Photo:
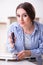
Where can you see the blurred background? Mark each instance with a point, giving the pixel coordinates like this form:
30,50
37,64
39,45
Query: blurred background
8,7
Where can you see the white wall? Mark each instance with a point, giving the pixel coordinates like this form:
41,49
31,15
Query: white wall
3,36
7,8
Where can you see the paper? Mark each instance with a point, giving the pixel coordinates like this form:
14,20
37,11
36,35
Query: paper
8,56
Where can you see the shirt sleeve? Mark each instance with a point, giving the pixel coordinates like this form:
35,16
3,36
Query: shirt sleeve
10,49
35,52
38,51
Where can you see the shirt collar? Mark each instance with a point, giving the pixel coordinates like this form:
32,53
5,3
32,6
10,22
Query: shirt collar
35,29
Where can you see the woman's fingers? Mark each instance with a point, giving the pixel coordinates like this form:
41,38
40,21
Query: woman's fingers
10,39
21,55
11,42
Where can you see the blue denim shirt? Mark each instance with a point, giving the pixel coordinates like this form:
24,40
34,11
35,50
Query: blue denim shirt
36,45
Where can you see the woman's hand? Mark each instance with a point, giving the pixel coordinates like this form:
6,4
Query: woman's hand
25,53
11,41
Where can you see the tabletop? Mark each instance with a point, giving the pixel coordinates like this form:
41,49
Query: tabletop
10,59
23,62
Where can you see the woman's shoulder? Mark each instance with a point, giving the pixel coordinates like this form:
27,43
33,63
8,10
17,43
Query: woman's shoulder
14,24
39,25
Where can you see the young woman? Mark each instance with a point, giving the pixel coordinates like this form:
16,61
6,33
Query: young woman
28,39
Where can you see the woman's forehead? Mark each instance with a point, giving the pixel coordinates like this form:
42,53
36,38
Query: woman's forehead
21,11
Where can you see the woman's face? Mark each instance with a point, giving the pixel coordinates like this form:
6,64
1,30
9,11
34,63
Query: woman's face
23,18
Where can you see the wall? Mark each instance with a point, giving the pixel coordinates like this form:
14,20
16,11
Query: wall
7,8
3,32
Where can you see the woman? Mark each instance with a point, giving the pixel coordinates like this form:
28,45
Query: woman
28,39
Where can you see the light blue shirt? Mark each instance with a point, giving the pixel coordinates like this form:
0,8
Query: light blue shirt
35,42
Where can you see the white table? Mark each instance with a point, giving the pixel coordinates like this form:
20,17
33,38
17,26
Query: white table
7,56
24,62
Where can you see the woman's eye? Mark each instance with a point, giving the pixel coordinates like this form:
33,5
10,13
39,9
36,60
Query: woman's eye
18,15
25,15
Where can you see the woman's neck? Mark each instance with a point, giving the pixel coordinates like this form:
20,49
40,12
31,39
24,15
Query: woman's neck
28,29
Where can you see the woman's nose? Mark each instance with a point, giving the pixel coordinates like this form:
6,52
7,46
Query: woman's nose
21,18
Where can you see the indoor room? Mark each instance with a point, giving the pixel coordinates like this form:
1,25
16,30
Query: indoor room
7,17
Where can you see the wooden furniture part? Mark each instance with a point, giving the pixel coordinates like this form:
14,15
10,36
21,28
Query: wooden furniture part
12,19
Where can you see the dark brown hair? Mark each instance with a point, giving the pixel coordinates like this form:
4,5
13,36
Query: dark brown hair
28,7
